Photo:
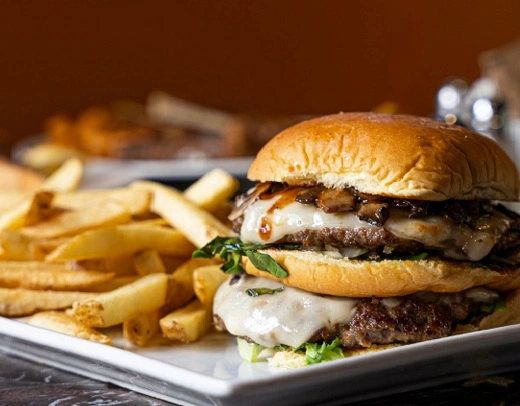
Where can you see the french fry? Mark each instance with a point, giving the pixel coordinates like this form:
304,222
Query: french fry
26,211
120,265
66,324
114,283
172,262
40,207
180,286
66,178
187,324
141,329
39,248
212,189
111,308
11,198
198,225
42,278
81,259
18,247
206,280
34,265
134,201
148,261
24,302
73,222
122,240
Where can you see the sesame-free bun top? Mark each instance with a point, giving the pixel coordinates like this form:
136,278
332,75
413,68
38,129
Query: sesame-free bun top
390,155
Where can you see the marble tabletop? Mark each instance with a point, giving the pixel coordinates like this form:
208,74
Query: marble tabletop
27,383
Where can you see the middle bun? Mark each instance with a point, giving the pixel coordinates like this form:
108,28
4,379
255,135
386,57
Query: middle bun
323,274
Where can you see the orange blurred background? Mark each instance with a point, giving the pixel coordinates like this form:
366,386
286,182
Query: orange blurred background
268,57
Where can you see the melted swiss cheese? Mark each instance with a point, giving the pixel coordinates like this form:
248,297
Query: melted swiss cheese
265,222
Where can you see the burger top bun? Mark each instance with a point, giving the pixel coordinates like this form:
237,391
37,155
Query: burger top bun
390,155
323,274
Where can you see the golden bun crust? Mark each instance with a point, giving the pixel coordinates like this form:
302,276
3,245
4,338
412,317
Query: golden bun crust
390,155
323,274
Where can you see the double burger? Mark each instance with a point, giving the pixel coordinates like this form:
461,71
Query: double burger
365,231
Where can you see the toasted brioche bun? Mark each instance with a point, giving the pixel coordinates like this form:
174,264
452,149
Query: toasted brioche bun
389,155
324,274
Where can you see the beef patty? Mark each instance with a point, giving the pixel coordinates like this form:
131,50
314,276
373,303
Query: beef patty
408,319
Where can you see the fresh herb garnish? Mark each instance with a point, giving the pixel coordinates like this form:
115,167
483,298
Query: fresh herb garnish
231,249
263,291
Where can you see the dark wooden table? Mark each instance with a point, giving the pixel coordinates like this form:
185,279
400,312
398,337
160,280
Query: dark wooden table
26,383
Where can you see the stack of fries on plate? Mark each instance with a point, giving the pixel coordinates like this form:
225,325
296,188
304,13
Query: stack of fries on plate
80,261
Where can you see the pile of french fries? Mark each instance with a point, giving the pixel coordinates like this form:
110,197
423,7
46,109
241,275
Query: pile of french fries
81,261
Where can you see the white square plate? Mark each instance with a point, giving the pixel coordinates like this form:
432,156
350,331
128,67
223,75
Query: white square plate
210,372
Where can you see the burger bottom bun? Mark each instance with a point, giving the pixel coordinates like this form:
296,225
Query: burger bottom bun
289,359
324,274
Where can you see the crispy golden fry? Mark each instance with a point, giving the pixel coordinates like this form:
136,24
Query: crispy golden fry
114,283
111,308
34,265
198,225
40,207
120,265
48,277
109,257
24,302
103,214
141,329
148,261
180,285
172,262
188,323
122,240
39,248
212,189
18,247
66,178
11,198
47,156
27,211
134,201
66,324
206,280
